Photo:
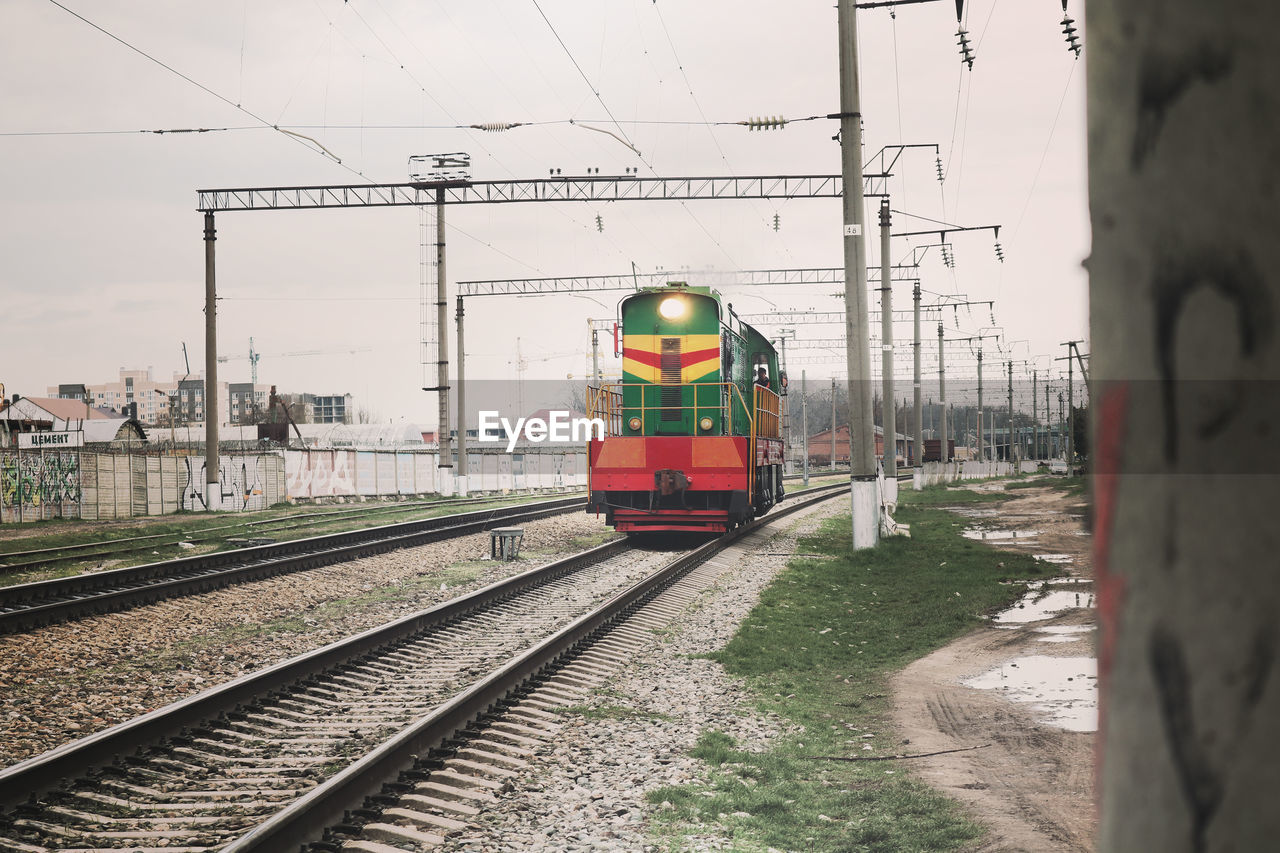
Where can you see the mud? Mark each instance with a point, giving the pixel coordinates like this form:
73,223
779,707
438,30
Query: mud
1022,691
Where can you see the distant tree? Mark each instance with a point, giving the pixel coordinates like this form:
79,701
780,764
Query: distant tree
574,398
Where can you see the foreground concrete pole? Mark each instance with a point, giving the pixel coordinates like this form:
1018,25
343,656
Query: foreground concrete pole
864,485
1184,181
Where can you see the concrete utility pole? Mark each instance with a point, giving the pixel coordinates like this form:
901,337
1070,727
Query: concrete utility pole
889,415
917,457
1071,420
595,355
864,496
212,488
833,423
943,454
1185,354
462,406
982,455
1009,455
1035,420
1071,406
786,421
1048,423
1062,425
804,421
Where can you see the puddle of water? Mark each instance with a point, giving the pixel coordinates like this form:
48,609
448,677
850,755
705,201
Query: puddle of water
1059,559
1042,601
974,513
1062,633
986,533
1065,689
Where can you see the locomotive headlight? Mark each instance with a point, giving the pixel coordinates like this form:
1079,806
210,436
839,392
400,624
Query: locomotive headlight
705,423
634,423
671,308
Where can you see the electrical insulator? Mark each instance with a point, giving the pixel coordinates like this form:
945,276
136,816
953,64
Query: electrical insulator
938,161
599,223
966,53
1069,30
776,221
999,252
497,126
765,123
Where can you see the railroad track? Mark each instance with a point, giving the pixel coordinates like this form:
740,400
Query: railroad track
25,606
27,560
321,743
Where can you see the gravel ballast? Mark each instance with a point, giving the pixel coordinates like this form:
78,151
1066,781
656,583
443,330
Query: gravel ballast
586,790
66,681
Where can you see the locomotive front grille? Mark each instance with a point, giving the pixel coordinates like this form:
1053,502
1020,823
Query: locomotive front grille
669,365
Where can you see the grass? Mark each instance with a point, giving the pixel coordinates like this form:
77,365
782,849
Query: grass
819,650
945,496
611,712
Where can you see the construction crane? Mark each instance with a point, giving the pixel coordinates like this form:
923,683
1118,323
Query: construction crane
254,356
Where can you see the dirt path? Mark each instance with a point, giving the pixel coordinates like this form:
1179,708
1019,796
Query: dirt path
1030,779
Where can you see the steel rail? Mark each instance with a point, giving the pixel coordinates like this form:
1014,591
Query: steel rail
25,606
306,819
290,521
38,773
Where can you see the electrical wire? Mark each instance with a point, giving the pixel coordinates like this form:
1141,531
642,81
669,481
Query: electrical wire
585,226
583,74
324,152
698,105
1044,154
626,138
361,127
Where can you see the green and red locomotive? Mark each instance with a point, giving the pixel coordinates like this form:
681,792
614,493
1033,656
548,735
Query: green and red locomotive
693,437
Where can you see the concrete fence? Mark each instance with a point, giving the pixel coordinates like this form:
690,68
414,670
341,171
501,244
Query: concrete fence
335,474
43,484
937,473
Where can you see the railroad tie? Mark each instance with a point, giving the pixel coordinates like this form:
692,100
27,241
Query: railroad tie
400,835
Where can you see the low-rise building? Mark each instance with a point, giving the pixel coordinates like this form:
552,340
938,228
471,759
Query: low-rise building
181,400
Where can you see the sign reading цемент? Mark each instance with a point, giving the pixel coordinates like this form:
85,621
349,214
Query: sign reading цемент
53,440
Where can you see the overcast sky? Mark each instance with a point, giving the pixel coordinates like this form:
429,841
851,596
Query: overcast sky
101,251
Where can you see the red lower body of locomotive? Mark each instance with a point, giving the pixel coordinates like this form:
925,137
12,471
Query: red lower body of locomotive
707,484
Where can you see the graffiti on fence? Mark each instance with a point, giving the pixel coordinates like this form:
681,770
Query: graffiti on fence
44,482
240,481
320,473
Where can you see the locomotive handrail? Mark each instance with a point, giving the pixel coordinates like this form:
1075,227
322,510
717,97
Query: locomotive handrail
606,403
610,413
768,408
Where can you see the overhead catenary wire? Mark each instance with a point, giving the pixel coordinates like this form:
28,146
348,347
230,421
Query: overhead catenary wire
625,137
751,124
483,125
324,152
486,126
